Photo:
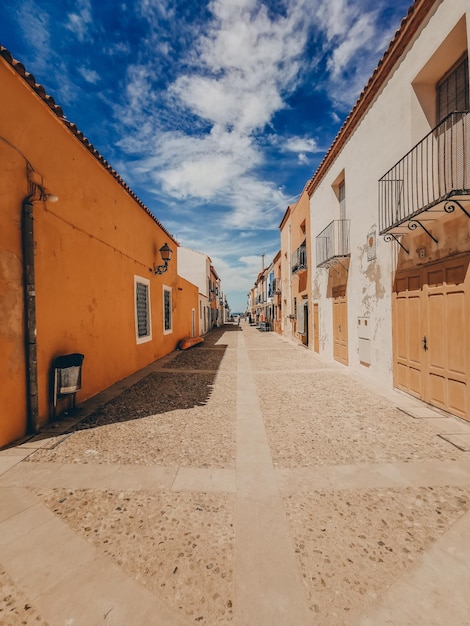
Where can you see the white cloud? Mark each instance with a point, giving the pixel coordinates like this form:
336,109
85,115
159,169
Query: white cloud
359,36
229,101
35,25
240,70
79,22
243,65
151,8
118,47
200,167
335,17
91,76
48,65
301,144
236,276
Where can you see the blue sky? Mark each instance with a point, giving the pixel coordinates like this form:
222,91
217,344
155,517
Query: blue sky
216,113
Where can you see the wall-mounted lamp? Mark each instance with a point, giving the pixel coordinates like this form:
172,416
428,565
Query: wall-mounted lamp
165,252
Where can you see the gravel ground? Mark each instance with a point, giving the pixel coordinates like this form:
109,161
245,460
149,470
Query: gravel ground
352,545
179,546
167,418
15,610
307,424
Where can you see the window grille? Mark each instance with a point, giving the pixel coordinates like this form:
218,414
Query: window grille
143,326
167,310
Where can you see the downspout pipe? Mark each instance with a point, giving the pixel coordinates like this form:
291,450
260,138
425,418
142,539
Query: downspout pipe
29,286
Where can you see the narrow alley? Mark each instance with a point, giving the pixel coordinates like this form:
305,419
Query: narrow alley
244,481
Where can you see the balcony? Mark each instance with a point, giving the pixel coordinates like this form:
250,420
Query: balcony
332,244
299,259
277,287
432,178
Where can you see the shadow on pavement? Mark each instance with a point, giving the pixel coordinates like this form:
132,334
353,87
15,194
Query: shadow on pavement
188,382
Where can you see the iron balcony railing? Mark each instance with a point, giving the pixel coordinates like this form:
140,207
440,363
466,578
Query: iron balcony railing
436,169
299,259
333,242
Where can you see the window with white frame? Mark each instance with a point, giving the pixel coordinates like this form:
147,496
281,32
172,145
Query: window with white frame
167,311
143,321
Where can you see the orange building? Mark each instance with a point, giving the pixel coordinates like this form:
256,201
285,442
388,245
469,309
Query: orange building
78,252
214,298
296,264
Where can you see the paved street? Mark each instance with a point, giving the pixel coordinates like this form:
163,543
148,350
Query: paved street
244,482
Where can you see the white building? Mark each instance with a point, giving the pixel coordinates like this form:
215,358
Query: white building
390,209
196,268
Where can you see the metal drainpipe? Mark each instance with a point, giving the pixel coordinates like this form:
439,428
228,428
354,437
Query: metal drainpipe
30,314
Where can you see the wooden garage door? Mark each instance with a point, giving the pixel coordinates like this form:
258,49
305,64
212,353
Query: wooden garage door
431,339
340,325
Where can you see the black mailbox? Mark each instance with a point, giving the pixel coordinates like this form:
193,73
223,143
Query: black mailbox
67,377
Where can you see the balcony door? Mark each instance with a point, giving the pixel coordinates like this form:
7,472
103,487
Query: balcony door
452,135
340,325
430,335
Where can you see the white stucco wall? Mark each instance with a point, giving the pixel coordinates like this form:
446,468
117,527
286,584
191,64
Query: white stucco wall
400,116
195,267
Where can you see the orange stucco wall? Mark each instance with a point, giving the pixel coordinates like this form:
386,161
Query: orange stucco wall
88,247
297,222
12,351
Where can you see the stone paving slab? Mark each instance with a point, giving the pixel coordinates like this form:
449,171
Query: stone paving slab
423,473
206,480
8,462
421,412
460,440
268,584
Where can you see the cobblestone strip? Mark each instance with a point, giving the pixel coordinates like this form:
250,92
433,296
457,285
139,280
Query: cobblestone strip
268,584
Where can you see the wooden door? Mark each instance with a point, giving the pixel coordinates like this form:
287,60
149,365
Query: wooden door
340,325
447,340
316,330
408,333
430,336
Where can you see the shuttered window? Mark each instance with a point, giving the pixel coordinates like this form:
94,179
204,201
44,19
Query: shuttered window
142,309
167,313
453,91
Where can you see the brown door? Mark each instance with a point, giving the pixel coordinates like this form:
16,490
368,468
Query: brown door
431,339
408,333
316,331
340,325
447,342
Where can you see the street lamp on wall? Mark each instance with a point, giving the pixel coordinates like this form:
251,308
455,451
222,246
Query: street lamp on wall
165,252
